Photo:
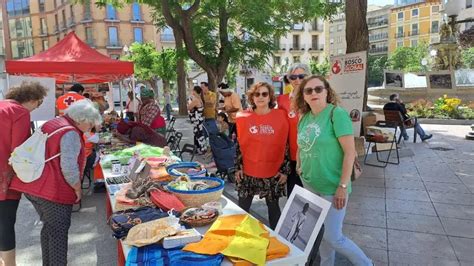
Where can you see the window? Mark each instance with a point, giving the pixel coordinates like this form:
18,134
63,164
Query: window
167,34
137,15
45,45
400,31
138,35
111,13
115,56
340,27
71,11
314,42
296,59
57,22
276,60
41,5
22,48
414,29
44,28
414,12
87,11
400,44
64,18
18,7
89,36
113,36
434,9
414,43
20,28
468,3
331,29
331,41
400,15
296,42
434,26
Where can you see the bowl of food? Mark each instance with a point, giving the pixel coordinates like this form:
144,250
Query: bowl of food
196,191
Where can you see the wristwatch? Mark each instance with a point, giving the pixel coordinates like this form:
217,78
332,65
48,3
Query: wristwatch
342,185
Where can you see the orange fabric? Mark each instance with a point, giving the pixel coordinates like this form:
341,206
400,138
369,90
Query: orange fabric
88,146
292,116
64,101
262,140
98,174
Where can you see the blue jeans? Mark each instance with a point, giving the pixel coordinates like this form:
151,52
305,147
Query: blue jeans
418,128
168,111
211,127
334,240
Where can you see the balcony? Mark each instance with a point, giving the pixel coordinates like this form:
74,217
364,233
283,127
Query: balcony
114,45
316,47
413,33
43,32
434,30
317,26
296,46
377,24
399,35
71,22
378,37
112,19
377,50
137,21
87,18
166,37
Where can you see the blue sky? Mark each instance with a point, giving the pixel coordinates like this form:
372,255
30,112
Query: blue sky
379,2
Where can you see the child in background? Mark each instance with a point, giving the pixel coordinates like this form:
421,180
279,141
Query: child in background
223,123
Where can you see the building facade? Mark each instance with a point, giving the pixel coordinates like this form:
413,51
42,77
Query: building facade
414,23
303,43
466,13
336,35
377,23
32,26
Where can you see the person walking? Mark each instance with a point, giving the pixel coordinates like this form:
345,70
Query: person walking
261,166
59,186
195,109
296,74
326,154
15,123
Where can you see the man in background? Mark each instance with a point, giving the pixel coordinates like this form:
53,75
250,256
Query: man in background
232,105
73,95
209,112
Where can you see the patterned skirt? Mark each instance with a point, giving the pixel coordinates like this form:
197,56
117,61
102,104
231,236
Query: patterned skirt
267,188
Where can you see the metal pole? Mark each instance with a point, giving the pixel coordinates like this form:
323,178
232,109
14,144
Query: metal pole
134,98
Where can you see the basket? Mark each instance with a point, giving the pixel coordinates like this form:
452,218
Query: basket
200,197
173,169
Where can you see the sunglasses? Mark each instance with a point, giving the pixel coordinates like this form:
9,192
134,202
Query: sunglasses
294,77
264,94
317,89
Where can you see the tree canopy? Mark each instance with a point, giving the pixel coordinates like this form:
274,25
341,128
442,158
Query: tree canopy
216,32
408,59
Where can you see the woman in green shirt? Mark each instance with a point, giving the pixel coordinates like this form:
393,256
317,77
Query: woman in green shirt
326,153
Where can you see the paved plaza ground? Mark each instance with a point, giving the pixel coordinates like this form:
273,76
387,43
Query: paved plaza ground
420,212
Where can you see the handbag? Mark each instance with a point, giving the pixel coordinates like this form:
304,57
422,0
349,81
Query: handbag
356,168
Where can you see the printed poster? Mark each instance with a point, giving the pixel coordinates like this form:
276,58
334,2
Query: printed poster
347,78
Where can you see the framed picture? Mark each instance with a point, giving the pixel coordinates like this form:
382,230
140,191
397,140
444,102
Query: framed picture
394,80
440,80
302,218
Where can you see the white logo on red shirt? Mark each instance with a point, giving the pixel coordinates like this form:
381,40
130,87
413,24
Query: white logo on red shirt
262,130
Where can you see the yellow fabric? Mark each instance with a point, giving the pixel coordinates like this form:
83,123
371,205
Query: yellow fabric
287,89
233,235
210,105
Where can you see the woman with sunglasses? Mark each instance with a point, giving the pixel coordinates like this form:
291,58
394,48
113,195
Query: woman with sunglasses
15,124
326,153
261,136
296,74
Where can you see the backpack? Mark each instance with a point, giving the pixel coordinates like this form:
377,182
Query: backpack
28,159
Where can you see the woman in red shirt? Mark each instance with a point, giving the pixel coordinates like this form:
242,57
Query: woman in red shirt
15,123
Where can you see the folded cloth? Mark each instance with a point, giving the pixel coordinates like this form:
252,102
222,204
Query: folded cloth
232,235
152,232
156,255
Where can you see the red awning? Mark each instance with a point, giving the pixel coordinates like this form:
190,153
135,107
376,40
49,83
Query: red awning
71,60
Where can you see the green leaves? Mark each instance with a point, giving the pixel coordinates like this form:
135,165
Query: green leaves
468,57
408,59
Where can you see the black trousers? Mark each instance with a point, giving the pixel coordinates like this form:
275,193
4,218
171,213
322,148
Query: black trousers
293,179
8,210
274,211
56,220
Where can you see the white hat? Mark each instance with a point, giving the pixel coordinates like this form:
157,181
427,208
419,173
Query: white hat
226,90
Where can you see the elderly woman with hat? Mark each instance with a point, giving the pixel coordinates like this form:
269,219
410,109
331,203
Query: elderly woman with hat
149,112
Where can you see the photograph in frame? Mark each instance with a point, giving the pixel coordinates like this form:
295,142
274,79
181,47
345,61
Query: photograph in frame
394,80
302,218
440,81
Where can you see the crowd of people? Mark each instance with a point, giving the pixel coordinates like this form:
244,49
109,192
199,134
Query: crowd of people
302,137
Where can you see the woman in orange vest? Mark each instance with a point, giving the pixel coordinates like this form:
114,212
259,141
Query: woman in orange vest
262,136
296,74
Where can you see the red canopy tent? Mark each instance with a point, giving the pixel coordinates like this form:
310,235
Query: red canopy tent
71,60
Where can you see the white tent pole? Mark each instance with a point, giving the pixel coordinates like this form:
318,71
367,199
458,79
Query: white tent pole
134,99
120,97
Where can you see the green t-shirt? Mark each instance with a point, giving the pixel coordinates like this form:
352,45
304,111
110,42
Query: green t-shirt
319,149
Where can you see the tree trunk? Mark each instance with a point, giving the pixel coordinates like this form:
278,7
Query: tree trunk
357,33
166,85
152,84
180,69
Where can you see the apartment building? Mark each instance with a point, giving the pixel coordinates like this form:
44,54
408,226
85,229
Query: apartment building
32,26
377,22
415,23
466,14
303,43
336,35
